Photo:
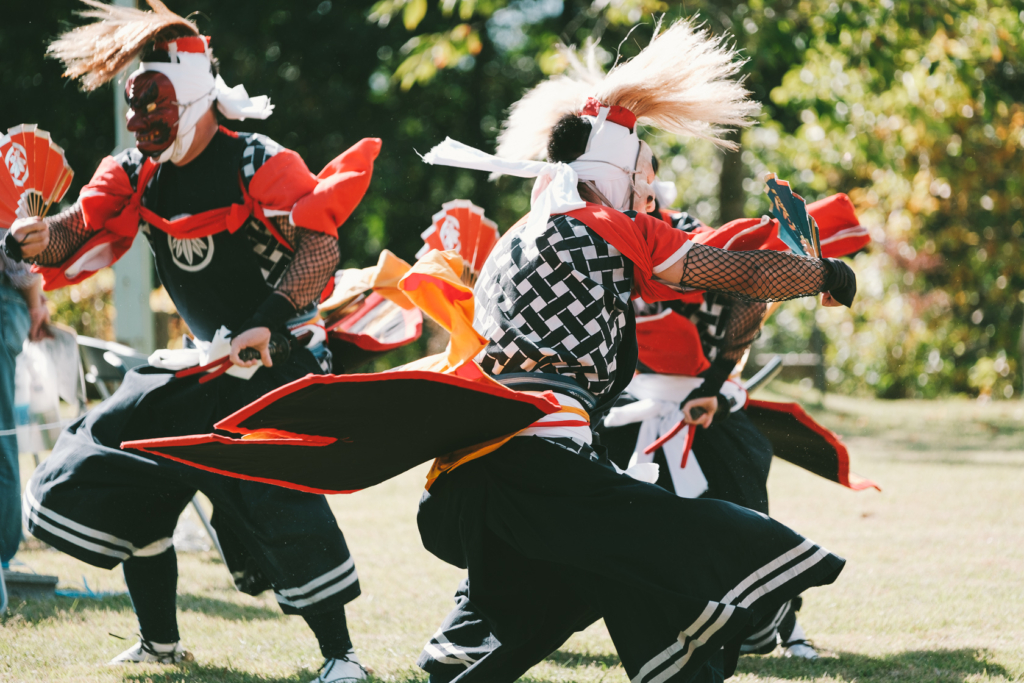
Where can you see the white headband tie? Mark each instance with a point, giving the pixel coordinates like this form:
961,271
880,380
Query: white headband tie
608,162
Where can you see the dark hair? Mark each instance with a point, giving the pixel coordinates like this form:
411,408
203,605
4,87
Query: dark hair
568,139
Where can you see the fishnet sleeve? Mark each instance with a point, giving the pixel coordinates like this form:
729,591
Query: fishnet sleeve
742,327
67,235
753,275
316,259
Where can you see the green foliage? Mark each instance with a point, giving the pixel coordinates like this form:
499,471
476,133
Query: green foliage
88,306
914,109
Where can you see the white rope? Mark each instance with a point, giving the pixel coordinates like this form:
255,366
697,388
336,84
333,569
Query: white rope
49,425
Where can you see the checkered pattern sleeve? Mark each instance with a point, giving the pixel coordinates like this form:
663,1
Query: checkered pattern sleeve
753,275
67,235
312,266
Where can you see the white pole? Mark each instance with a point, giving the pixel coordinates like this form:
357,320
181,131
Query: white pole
134,324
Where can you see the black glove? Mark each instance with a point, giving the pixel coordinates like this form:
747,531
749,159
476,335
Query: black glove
273,313
724,409
12,248
841,281
714,378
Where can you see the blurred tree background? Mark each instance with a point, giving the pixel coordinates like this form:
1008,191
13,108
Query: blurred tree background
914,109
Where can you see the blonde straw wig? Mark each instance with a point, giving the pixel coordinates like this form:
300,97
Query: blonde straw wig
684,82
97,52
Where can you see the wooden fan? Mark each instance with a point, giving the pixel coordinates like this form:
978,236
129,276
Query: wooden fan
460,226
34,174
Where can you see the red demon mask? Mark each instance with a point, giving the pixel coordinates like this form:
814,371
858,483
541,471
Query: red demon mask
153,113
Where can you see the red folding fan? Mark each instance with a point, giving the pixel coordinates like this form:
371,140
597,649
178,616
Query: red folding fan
34,176
460,226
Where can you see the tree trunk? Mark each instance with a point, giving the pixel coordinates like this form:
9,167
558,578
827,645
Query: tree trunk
730,184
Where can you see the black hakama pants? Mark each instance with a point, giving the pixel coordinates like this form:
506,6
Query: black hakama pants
554,539
103,505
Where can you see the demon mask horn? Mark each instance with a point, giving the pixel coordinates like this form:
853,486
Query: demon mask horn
95,53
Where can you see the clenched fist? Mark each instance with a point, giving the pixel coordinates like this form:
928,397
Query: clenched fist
32,234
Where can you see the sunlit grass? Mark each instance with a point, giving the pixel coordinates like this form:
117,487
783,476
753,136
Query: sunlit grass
933,591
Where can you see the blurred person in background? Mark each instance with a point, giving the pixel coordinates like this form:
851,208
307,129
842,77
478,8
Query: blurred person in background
23,314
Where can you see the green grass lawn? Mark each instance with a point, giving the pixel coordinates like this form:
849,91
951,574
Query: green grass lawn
933,590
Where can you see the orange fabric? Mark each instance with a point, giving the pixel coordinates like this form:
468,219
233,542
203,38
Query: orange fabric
382,278
390,271
434,284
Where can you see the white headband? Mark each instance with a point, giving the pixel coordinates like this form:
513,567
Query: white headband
609,162
610,159
197,89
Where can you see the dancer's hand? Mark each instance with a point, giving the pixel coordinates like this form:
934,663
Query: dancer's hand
709,404
32,234
828,302
255,338
39,315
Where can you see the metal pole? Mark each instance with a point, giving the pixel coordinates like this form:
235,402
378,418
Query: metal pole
3,593
209,528
818,348
134,324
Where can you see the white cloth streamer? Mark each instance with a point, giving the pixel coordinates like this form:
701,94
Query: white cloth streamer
609,162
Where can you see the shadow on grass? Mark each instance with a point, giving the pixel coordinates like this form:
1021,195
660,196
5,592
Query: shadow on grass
226,610
36,610
577,659
917,666
197,673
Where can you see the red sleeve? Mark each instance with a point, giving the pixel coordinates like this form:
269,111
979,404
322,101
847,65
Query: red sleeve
743,234
838,226
111,212
320,203
665,245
